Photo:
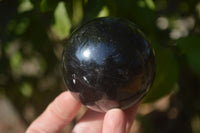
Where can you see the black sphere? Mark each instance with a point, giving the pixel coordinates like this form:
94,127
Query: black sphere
108,63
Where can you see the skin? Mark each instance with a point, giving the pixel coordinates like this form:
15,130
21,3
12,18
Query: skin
64,108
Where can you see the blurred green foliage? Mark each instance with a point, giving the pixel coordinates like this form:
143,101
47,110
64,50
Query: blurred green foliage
33,32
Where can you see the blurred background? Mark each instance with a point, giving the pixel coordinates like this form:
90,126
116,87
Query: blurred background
32,35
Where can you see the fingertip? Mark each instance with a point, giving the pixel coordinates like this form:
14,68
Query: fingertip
114,121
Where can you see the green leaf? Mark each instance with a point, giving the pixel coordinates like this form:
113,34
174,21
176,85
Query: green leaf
26,89
24,6
190,46
167,72
62,24
150,4
77,12
104,12
15,61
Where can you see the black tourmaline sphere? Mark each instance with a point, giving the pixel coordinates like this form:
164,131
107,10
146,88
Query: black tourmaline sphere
108,63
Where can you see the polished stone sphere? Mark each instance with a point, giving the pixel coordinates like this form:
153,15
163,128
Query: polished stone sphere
108,63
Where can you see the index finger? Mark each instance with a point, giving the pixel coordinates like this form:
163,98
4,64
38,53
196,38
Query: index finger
59,113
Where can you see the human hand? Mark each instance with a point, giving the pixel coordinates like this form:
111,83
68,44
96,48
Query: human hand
64,108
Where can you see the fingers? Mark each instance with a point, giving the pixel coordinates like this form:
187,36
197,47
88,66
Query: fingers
114,121
59,113
130,116
91,122
64,108
118,121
